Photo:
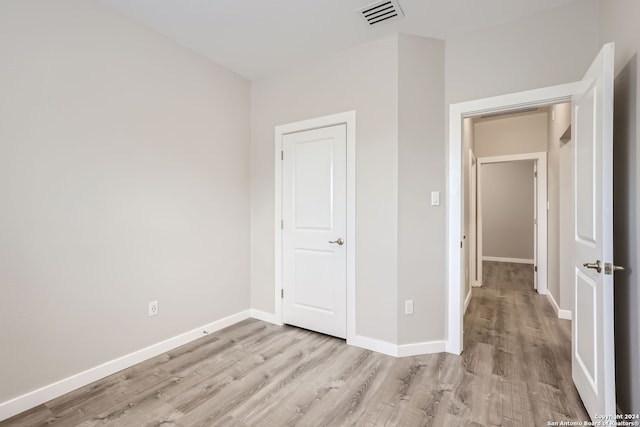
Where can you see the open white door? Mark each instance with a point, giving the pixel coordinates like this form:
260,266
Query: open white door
593,363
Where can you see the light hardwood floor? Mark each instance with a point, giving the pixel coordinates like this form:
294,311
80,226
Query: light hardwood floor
515,371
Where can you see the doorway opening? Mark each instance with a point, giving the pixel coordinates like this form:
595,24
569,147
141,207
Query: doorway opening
511,214
517,164
504,195
461,116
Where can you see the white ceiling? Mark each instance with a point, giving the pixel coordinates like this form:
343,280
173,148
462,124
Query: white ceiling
257,37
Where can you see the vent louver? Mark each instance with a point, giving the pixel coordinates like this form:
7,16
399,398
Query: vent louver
381,11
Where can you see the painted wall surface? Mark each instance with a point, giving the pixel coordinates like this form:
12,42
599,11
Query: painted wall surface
363,79
421,170
507,135
619,24
124,178
546,49
507,193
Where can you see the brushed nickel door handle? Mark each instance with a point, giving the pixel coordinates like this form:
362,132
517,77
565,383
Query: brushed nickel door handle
595,265
340,241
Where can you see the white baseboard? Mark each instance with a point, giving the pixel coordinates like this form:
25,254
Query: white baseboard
467,300
402,350
373,344
553,302
565,314
416,349
514,260
37,397
264,316
562,314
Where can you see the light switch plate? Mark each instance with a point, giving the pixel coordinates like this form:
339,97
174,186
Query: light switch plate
435,198
408,307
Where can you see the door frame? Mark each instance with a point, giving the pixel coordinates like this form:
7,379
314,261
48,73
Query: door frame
472,263
349,119
540,206
455,216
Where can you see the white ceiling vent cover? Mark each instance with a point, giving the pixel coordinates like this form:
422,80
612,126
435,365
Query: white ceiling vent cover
381,11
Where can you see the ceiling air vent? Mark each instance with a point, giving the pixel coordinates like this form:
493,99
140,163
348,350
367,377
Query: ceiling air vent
381,11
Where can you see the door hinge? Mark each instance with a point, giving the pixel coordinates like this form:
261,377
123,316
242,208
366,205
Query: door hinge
535,268
535,174
281,155
460,244
282,224
281,293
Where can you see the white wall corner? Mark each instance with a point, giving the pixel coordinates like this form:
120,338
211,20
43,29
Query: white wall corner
264,316
37,397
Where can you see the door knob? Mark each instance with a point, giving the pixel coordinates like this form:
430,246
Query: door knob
595,265
340,241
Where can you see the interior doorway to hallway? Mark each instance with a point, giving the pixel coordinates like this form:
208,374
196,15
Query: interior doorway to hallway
505,191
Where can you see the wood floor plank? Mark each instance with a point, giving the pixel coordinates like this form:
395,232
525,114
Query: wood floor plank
515,371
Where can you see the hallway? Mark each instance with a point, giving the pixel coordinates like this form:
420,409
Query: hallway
519,350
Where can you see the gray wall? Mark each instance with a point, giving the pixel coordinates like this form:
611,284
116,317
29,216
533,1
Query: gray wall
421,169
123,166
619,24
507,209
546,49
508,135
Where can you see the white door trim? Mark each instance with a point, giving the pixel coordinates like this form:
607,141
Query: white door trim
540,258
472,263
536,97
348,118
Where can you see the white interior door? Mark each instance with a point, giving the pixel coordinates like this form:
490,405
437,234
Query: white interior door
314,230
593,363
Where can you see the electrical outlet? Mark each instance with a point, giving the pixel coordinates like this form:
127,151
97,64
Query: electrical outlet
153,308
408,307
